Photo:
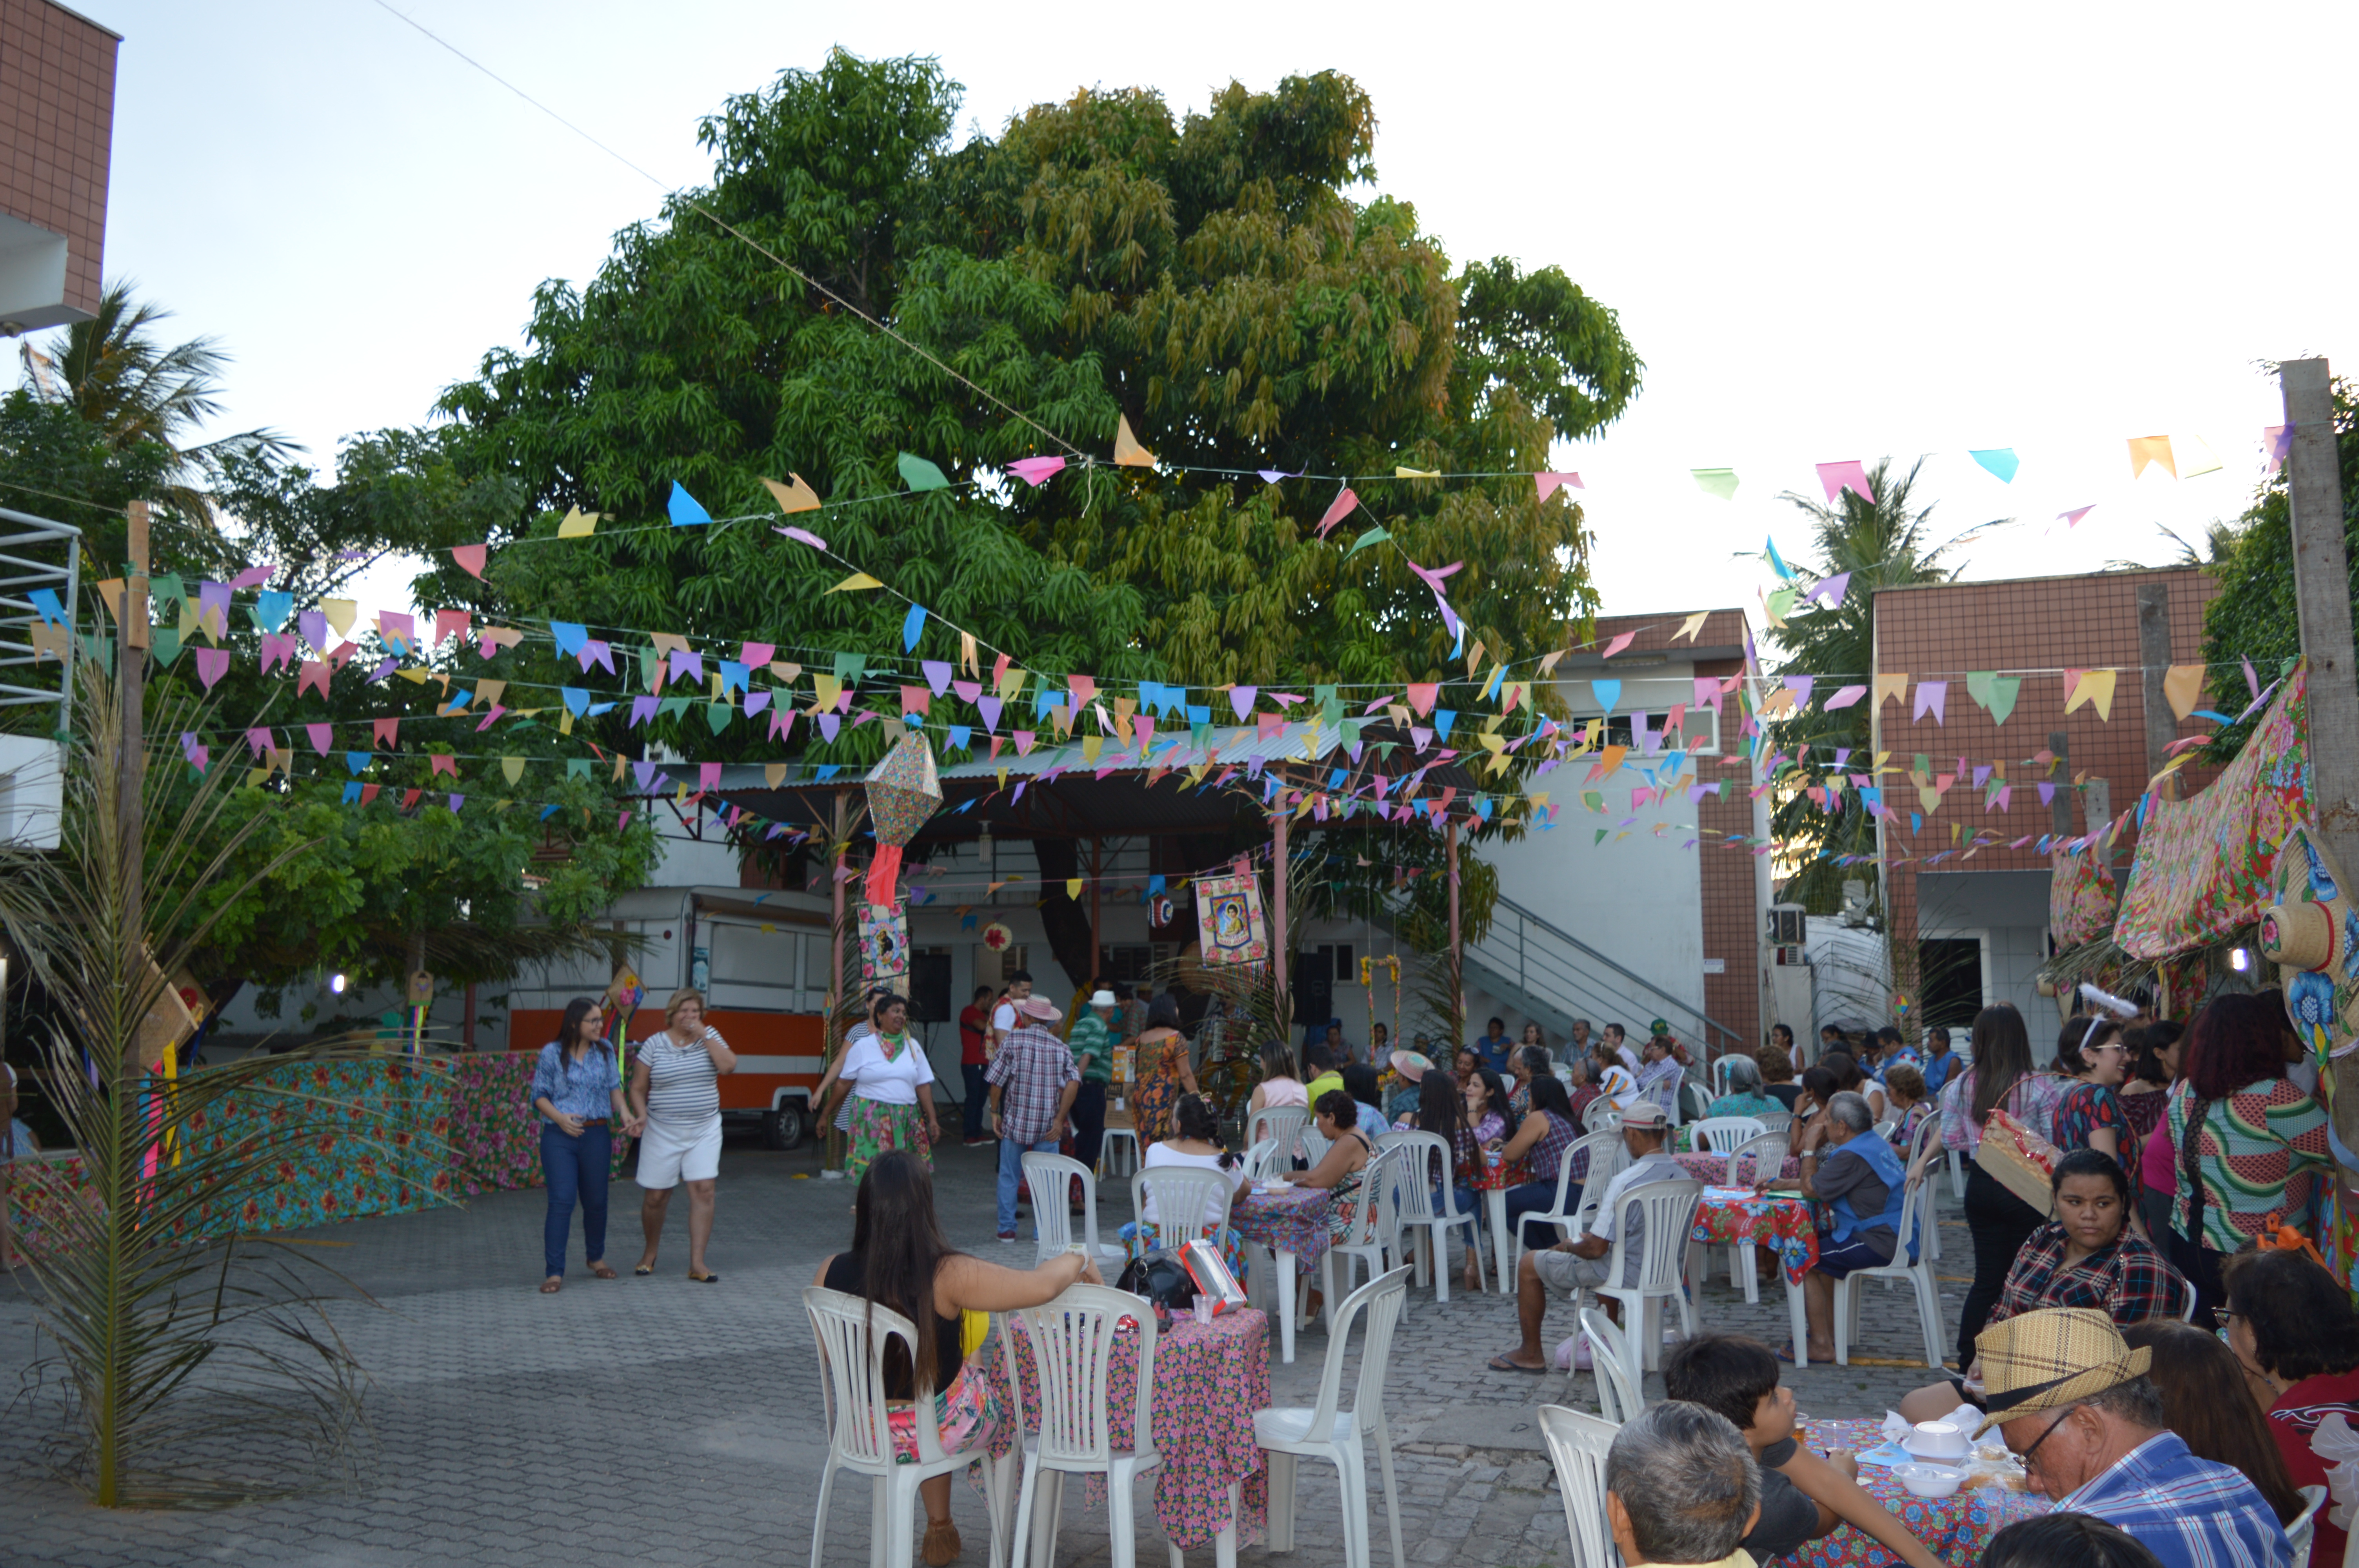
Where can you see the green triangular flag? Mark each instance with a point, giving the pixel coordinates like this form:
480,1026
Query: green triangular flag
919,474
650,664
165,588
1600,836
167,643
1978,685
577,767
670,707
1373,536
850,668
718,715
2002,697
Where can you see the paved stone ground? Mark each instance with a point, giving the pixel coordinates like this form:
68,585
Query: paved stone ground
660,1421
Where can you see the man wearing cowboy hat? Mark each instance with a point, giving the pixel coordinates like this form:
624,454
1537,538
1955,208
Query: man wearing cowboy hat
2073,1402
1033,1084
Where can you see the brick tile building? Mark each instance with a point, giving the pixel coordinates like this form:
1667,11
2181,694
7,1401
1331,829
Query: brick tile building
56,133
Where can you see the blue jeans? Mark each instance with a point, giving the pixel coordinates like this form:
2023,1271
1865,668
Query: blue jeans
978,1098
577,1168
1011,1176
1534,1197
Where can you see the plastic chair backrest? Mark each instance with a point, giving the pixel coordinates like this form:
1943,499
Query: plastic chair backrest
2305,1525
1184,1196
2187,1314
1369,1225
1280,1123
1776,1120
1721,1134
851,1377
1597,1146
1381,1299
1669,1209
1765,1156
1424,1164
1608,1161
1577,1445
1260,1157
1051,1178
1603,1116
1722,1067
1314,1145
1072,1352
1606,1350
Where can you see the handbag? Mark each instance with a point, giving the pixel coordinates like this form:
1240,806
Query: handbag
2018,1158
1161,1278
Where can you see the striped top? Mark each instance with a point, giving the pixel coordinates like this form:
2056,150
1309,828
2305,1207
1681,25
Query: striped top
2258,1151
682,1090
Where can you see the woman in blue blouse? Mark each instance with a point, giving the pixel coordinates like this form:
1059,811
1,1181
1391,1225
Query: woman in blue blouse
579,1094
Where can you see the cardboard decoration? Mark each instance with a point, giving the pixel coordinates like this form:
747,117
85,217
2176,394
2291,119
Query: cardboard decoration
1229,920
997,938
422,988
884,946
903,791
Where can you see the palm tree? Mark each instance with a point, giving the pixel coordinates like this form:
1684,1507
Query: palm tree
115,372
1882,543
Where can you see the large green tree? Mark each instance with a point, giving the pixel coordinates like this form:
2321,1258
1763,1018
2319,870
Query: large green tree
1206,277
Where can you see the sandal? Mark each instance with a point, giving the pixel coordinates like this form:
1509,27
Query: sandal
551,1285
1787,1357
643,1269
1500,1363
707,1277
603,1269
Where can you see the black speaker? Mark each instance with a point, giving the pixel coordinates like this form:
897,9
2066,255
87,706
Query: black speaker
1313,977
929,986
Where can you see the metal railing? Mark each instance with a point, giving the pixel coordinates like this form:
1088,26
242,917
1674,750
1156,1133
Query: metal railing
1553,971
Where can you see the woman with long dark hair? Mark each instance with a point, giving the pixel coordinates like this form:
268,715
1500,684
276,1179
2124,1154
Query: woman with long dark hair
1278,1086
2000,1080
1526,1063
2236,1105
2206,1403
1547,1131
2291,1326
578,1093
1441,1110
1488,1109
900,1261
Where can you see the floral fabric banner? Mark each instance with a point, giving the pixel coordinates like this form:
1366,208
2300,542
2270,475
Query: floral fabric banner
2080,897
495,1133
2205,867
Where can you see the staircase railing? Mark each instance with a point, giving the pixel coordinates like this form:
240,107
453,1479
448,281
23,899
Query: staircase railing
1547,963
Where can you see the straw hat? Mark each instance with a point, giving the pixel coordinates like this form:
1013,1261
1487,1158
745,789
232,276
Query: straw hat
1409,1064
2056,1357
1039,1007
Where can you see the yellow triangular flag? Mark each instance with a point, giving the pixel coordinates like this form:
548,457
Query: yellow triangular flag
513,766
1416,473
564,722
340,614
2146,449
2096,687
1127,452
1011,684
415,678
1892,686
578,524
1090,746
1073,889
856,582
1003,776
967,659
1690,626
2183,684
827,688
795,497
668,642
774,773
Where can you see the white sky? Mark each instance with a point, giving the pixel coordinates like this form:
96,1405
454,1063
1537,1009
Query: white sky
1830,232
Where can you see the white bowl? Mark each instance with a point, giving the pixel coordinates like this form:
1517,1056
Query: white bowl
1928,1480
1937,1441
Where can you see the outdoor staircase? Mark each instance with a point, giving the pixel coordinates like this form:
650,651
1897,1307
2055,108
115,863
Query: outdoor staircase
1542,971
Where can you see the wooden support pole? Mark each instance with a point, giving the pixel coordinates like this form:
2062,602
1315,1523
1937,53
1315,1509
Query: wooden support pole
1281,939
2323,598
1097,936
1457,952
2154,654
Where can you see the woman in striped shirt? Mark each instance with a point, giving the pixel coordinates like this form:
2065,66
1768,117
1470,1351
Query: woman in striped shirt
676,1090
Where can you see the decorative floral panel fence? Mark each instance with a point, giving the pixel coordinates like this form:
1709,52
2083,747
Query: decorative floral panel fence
494,1134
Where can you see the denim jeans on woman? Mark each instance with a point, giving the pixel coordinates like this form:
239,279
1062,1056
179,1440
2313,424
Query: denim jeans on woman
577,1168
1537,1197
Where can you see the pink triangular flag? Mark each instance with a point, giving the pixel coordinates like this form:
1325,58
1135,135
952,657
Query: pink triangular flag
1849,475
470,557
1338,510
2278,440
2070,518
322,737
1549,482
1846,697
803,536
1619,644
1035,471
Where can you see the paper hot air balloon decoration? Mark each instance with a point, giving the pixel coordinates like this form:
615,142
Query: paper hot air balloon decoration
903,792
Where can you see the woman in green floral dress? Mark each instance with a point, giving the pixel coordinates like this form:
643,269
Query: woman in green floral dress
891,1083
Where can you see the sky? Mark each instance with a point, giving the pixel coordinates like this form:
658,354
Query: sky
1832,233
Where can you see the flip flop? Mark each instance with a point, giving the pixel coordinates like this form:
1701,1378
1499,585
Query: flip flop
1787,1357
550,1287
602,1270
706,1279
1500,1363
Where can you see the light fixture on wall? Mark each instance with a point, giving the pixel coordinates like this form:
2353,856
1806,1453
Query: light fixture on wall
982,846
336,984
2239,959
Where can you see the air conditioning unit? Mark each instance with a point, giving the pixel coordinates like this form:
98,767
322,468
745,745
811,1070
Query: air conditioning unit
1855,902
1785,925
1791,956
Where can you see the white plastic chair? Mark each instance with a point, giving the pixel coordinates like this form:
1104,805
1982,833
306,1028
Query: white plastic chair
1603,1116
1609,1357
1183,1196
1606,1162
2187,1314
1721,1134
1124,1138
1421,1152
1290,1433
1957,1174
1767,1156
1920,1273
1281,1124
2299,1533
1577,1445
1263,1158
1602,1148
1314,1145
1669,1207
1051,1179
1072,1340
853,1406
1721,1067
1366,1242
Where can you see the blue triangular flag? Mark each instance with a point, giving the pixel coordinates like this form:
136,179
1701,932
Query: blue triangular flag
1443,718
685,512
569,636
351,793
577,699
357,760
2000,461
273,605
45,599
912,624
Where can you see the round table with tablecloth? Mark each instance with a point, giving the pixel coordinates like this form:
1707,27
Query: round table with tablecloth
1956,1529
1742,1219
1292,1221
1209,1380
1711,1170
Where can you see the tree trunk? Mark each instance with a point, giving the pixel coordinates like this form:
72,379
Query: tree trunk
1065,918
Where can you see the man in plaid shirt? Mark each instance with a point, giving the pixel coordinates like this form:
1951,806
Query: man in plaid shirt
2088,1257
1034,1080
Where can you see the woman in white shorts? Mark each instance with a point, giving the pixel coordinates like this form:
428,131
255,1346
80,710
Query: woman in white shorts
676,1090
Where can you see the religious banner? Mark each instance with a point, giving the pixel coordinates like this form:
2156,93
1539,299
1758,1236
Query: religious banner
884,946
1228,920
2206,867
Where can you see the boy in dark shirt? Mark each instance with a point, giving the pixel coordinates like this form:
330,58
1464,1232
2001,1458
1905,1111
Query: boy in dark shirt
1804,1495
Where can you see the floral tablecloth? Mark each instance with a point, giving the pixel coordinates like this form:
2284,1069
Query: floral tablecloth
1727,1215
1713,1168
1956,1529
1209,1380
1293,1221
495,1135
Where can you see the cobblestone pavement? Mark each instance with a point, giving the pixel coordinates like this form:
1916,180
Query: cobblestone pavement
659,1422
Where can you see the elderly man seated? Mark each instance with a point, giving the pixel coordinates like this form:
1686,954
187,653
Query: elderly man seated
1861,1183
1580,1263
2074,1401
1680,1487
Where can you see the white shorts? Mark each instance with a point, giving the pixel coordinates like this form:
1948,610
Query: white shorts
668,1156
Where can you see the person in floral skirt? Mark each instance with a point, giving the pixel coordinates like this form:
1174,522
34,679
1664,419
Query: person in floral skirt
891,1083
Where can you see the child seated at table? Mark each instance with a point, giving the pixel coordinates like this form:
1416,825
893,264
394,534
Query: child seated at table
1804,1495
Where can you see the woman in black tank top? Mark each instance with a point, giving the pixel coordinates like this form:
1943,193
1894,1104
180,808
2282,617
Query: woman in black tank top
900,1261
